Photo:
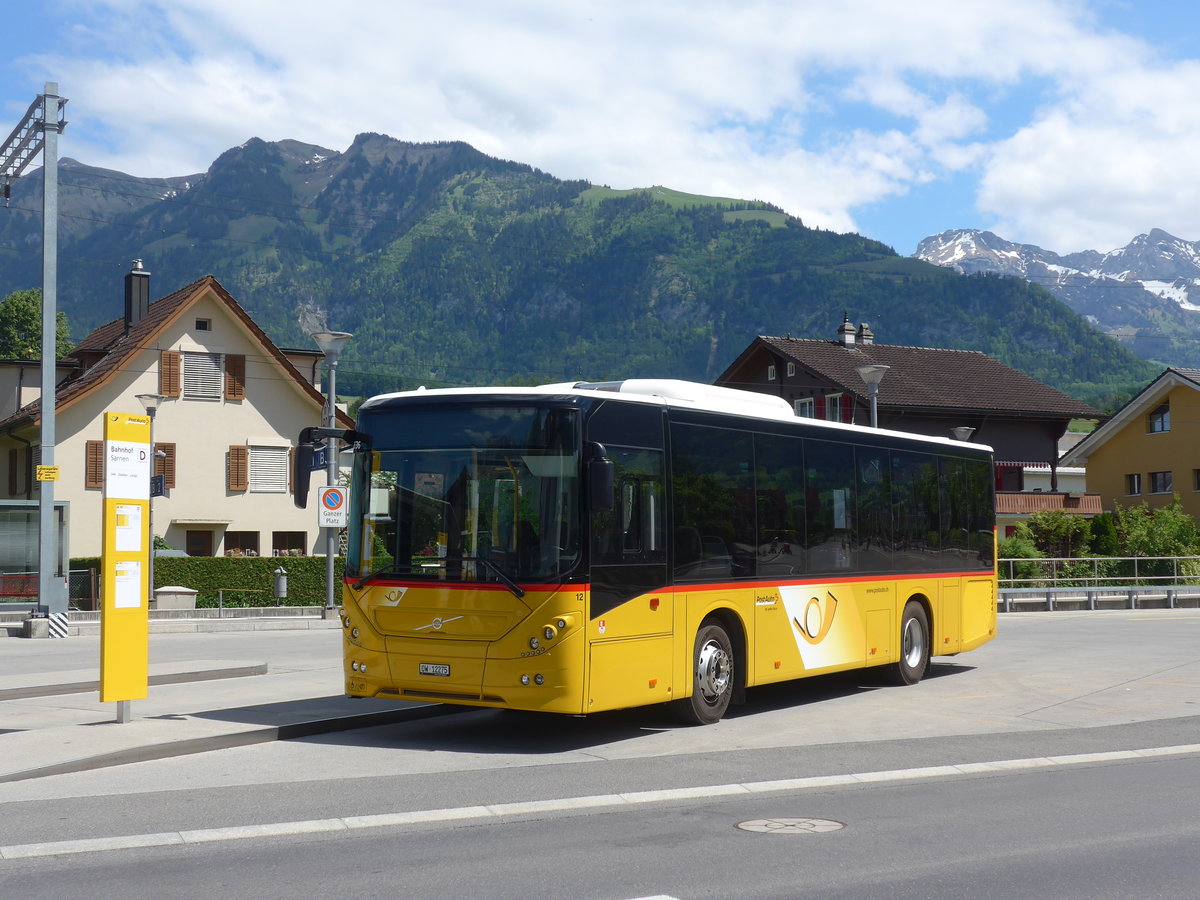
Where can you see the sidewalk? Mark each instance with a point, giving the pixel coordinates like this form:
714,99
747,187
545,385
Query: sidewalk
213,684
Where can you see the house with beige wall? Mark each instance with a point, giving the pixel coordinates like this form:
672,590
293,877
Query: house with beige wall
232,404
1149,450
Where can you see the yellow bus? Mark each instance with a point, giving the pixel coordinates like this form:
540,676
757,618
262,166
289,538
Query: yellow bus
581,547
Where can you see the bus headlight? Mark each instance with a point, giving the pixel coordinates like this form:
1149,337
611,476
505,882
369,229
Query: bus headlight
548,632
534,643
539,679
525,680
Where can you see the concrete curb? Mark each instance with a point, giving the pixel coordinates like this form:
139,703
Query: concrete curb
244,738
80,687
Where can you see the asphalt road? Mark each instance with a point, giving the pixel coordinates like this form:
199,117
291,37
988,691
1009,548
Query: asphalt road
1025,769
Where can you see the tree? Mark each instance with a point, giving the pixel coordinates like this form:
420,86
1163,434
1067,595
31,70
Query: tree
1021,546
1168,531
1104,536
21,327
1059,534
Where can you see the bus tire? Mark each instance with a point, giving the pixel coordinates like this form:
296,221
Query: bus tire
914,646
712,677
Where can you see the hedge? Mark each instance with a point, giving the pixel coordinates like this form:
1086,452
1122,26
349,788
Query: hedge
244,581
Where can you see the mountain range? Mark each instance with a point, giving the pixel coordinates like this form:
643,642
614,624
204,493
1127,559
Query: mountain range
451,267
1145,294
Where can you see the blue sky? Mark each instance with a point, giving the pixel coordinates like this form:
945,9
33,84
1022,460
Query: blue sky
1071,124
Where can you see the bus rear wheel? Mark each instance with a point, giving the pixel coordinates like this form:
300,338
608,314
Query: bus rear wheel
914,646
712,677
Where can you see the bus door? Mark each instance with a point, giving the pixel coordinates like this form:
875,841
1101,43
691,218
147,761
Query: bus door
630,615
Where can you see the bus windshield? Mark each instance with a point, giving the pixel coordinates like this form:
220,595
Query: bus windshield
470,494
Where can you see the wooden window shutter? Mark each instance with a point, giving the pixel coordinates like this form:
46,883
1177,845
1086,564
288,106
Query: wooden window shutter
168,373
820,407
235,376
847,409
94,465
165,465
238,474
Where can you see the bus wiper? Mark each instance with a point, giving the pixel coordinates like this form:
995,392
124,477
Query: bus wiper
517,590
390,569
403,568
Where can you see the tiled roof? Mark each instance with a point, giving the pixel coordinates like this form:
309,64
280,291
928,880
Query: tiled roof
1012,503
927,378
119,347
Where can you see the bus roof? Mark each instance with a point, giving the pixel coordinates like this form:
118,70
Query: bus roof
674,393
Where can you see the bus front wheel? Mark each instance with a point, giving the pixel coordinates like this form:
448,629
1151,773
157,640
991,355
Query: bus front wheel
914,645
712,677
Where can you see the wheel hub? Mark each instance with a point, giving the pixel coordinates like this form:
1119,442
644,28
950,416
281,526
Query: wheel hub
713,671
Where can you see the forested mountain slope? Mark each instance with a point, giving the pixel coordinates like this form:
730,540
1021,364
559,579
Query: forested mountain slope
451,267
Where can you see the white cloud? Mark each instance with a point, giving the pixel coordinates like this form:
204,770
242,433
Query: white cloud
1117,159
820,108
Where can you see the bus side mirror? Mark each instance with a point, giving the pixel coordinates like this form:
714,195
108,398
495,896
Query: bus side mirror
601,478
302,459
301,472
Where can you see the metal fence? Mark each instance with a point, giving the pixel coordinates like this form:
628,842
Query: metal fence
1100,572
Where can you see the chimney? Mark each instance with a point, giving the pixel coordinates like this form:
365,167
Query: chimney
845,332
865,335
137,294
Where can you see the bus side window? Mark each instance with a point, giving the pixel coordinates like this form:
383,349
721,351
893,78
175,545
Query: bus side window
632,531
631,520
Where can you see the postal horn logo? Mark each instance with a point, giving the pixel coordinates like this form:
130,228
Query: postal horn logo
818,618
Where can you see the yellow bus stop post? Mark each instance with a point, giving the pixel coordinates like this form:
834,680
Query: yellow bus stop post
125,564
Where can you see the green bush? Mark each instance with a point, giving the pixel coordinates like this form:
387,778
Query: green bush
243,581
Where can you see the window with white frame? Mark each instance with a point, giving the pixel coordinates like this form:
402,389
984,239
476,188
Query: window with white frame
203,377
833,407
791,370
806,408
771,372
268,470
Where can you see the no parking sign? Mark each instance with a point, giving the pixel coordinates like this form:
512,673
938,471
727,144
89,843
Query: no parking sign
332,510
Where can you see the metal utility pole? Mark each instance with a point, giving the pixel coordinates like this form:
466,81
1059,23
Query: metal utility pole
39,130
331,343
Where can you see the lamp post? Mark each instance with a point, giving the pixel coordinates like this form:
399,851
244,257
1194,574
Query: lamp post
962,432
872,375
331,343
150,403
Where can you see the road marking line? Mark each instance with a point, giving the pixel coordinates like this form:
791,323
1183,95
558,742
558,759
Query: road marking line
596,801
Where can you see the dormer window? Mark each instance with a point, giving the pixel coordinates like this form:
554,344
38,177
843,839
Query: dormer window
1159,419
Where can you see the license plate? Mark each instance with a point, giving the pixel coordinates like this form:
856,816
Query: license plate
440,669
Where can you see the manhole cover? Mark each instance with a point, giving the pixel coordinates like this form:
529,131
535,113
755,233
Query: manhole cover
791,826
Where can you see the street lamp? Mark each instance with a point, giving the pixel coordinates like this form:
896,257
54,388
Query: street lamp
872,375
331,343
150,403
962,432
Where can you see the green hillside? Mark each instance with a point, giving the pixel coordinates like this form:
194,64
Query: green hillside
451,267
